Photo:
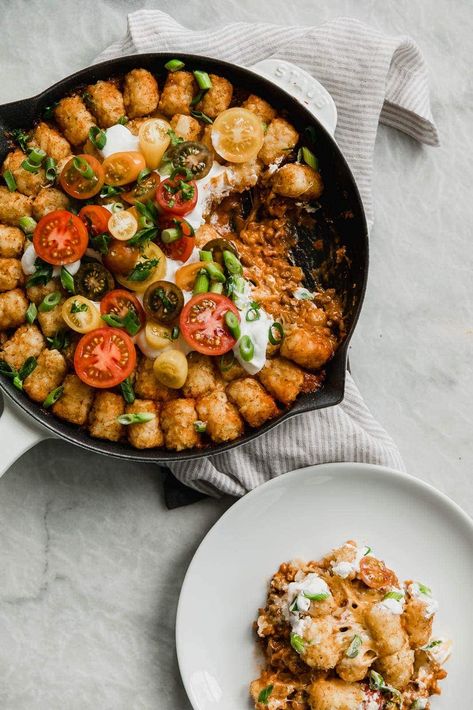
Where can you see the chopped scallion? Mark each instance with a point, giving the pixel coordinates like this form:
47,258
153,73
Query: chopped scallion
53,397
276,339
123,120
232,264
200,426
203,79
264,694
67,280
135,418
10,180
83,167
201,284
31,313
201,117
97,137
353,649
174,65
49,302
170,235
50,169
247,349
297,643
127,391
214,271
233,324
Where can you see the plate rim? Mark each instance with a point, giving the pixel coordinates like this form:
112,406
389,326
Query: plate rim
334,468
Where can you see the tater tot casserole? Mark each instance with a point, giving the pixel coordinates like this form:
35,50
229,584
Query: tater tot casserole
148,287
343,633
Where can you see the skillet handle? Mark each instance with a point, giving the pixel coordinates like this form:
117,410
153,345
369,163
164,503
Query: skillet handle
302,85
17,434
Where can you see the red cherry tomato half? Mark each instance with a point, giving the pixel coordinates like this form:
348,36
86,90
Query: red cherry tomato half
375,574
176,196
181,249
120,302
95,219
104,357
84,181
203,326
60,238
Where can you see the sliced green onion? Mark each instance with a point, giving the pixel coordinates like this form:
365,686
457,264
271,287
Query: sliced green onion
50,169
233,324
276,340
297,643
143,174
198,97
10,180
216,287
123,120
430,645
233,264
53,397
67,280
226,362
27,224
423,589
394,595
353,649
368,550
36,156
316,597
110,191
203,79
201,284
205,255
264,694
214,271
170,235
175,333
293,607
97,137
117,207
27,367
247,349
253,314
83,167
308,157
31,313
174,65
127,391
135,418
49,302
201,116
200,426
376,680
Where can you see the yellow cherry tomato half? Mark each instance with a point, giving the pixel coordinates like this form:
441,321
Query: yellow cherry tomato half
122,168
81,314
171,368
122,225
237,135
154,140
141,277
158,336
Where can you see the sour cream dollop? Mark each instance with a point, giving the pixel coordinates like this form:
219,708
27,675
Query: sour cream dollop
420,592
28,263
119,140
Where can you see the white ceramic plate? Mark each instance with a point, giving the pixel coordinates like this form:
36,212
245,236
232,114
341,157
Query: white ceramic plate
417,530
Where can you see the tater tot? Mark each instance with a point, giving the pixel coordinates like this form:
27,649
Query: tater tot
148,387
178,92
49,199
221,417
335,694
52,322
206,139
48,374
178,423
25,342
417,626
13,307
205,234
311,350
260,107
75,402
12,240
278,140
103,423
135,124
37,293
27,183
74,119
140,93
298,181
145,435
282,378
242,176
231,372
397,668
186,127
105,101
201,376
386,629
255,405
11,274
13,206
51,141
217,98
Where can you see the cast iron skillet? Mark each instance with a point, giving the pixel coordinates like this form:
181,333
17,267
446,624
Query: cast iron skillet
341,220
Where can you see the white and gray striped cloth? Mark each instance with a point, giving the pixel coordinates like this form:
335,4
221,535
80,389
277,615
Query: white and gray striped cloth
372,78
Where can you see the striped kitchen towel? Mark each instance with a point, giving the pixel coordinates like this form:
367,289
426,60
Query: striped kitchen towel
373,78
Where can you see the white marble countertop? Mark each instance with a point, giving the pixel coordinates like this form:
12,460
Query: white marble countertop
91,560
